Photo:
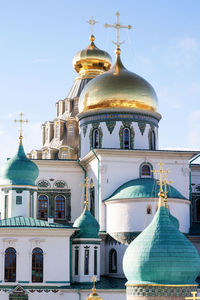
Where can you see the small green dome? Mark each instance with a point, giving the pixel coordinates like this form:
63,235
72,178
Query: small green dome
88,225
143,188
20,170
161,254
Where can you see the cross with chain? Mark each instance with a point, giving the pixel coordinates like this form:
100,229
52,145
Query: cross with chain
92,22
20,121
86,185
166,181
194,296
118,26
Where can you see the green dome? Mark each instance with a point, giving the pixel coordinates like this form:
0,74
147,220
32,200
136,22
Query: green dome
143,188
161,254
19,170
174,220
88,225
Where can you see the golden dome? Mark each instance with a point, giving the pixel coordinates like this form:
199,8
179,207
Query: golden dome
91,61
118,88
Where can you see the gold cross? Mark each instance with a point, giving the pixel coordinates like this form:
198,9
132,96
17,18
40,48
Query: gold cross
94,279
162,173
194,297
165,185
92,22
20,121
86,185
118,26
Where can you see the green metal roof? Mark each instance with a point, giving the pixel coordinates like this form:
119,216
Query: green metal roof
88,225
30,222
19,170
161,254
143,188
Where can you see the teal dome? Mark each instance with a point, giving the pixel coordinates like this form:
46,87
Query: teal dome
161,254
174,220
143,188
88,225
20,170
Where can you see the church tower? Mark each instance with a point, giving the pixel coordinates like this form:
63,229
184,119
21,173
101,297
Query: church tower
86,245
161,262
118,109
18,187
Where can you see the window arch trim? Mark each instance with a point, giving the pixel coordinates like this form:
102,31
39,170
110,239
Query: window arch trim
151,169
10,262
45,211
126,137
63,211
37,265
112,261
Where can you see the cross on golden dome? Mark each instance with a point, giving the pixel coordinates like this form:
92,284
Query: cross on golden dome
21,121
194,296
118,26
86,185
92,22
94,279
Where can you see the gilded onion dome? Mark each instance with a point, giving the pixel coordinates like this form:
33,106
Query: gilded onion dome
91,61
118,88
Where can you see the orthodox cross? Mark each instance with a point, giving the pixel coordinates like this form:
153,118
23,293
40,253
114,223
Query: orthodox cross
194,296
86,185
21,121
118,26
92,22
165,183
94,279
162,173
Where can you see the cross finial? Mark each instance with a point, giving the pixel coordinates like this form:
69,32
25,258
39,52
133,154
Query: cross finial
21,121
194,296
166,181
163,176
92,22
94,279
86,185
118,26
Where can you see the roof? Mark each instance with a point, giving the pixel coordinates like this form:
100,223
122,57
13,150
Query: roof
161,254
30,222
88,225
142,188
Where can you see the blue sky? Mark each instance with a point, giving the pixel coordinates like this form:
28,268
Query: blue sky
38,39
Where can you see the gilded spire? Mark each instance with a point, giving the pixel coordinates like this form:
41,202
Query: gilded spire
20,121
94,295
92,22
118,26
86,185
163,183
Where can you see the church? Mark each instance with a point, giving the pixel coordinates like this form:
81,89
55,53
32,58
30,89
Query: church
76,208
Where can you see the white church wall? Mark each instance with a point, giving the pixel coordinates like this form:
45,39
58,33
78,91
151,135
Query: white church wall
120,249
56,251
134,217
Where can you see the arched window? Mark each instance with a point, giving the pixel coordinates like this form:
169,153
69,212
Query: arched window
95,138
64,154
60,207
86,264
92,198
37,265
113,261
149,210
145,171
198,210
126,138
42,207
10,265
152,140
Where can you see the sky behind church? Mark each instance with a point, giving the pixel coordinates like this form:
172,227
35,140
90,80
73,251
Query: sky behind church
38,39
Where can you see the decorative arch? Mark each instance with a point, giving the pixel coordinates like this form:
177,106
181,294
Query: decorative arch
42,207
96,136
60,184
37,265
146,170
152,138
126,125
10,265
43,183
112,261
